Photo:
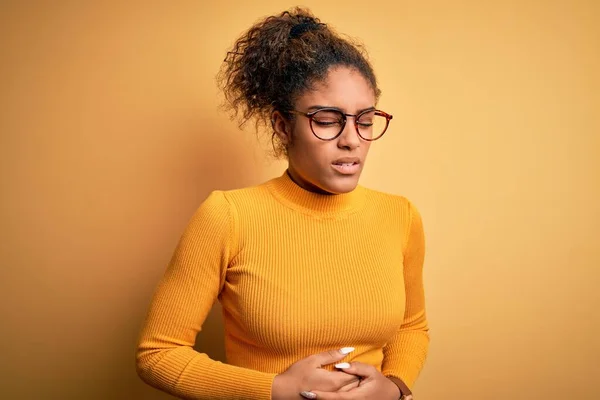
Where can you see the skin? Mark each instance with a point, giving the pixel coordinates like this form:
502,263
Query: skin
310,166
310,158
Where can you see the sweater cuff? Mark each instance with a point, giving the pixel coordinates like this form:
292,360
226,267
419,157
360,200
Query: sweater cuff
404,390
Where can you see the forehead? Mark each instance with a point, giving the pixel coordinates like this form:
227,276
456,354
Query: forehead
344,88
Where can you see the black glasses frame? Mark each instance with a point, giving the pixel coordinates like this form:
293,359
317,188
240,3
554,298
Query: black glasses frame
345,116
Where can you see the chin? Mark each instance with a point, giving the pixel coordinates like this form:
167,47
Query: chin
341,184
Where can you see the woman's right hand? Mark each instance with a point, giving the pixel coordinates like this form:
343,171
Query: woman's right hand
306,375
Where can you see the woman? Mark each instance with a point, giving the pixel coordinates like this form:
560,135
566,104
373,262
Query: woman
320,279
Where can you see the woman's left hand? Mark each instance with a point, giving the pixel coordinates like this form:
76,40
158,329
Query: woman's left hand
373,385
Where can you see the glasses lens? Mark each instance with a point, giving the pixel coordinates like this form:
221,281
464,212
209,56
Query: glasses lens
371,125
326,124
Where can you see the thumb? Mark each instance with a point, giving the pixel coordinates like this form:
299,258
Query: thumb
331,356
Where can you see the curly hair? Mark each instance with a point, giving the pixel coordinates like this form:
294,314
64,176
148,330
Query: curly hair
278,59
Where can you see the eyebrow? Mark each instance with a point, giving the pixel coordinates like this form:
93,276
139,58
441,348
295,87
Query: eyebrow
318,107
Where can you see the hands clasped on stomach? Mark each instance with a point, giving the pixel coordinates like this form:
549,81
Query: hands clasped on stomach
306,379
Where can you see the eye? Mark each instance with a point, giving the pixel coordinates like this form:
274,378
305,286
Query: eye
367,119
328,118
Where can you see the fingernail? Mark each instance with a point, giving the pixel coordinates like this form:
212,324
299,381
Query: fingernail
308,395
342,365
346,350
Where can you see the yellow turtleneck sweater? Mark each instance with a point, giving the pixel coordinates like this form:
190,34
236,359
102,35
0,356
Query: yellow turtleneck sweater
297,273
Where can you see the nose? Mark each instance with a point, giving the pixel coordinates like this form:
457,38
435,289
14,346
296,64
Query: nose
349,139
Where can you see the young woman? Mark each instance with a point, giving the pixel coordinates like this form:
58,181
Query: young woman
320,279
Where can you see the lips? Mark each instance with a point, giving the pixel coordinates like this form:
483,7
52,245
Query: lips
346,165
347,161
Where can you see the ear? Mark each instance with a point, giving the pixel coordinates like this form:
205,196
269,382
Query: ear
282,127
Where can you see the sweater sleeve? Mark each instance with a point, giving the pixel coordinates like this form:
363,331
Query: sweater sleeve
165,357
405,354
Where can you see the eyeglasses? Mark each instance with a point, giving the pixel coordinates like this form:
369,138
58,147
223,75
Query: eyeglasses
329,123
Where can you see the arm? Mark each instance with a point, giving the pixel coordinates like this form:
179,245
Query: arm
165,356
404,355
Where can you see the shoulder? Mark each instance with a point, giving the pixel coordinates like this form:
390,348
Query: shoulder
233,201
245,201
213,212
391,201
246,194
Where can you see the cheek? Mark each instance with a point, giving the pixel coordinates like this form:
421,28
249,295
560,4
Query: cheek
304,142
302,133
311,153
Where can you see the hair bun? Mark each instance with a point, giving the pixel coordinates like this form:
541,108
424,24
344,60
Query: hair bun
298,29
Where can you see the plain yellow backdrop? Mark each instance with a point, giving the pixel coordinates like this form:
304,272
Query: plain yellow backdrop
110,137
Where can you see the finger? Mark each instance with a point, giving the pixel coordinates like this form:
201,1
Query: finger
350,386
333,381
331,356
334,395
340,377
357,368
308,395
339,380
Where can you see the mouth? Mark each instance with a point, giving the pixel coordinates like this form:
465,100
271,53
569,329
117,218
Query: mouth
346,166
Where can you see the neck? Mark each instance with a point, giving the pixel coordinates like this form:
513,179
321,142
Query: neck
304,184
294,195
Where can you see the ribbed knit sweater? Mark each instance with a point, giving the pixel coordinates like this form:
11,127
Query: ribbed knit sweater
297,273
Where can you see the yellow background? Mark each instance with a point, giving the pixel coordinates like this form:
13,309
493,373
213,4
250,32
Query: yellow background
111,137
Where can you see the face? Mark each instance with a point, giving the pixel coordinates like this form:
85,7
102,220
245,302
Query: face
333,166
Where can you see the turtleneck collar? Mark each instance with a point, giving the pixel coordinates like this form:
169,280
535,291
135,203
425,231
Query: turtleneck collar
290,194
